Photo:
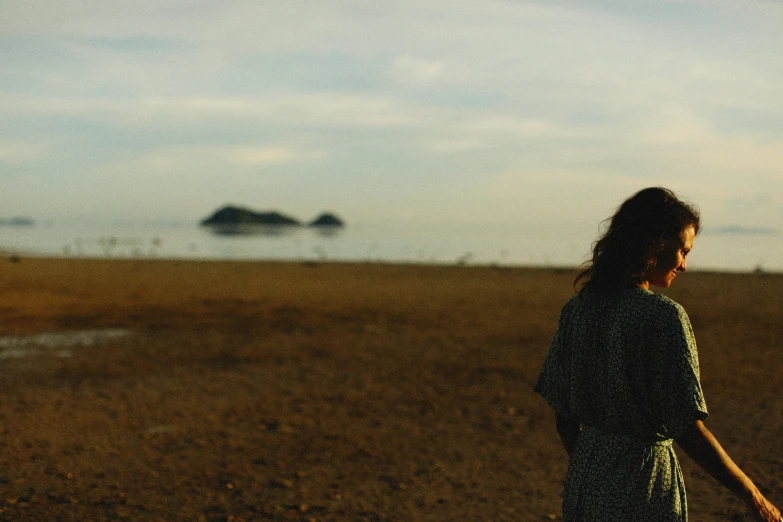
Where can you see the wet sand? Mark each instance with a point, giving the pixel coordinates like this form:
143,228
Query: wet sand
284,391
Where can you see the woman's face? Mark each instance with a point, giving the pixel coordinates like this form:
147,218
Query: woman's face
672,260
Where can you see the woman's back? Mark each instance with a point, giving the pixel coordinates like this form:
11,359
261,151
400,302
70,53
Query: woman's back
626,364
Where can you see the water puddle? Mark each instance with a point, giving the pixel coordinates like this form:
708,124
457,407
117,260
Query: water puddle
59,344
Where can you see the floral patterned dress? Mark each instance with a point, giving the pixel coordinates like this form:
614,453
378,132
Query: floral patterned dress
625,366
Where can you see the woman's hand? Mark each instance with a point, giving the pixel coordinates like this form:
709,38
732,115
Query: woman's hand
762,510
706,451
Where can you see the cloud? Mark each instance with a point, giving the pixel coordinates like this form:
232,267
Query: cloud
470,130
308,109
456,144
525,127
18,150
272,155
416,71
679,136
198,161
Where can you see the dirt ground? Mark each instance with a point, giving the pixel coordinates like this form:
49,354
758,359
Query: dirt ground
284,391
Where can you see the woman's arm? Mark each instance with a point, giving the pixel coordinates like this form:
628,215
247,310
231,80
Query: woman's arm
568,429
706,451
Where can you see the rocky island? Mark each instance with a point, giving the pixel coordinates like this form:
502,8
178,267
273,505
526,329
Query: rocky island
235,215
239,220
327,220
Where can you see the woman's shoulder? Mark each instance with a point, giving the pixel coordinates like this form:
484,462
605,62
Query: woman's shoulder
576,301
664,302
638,299
664,307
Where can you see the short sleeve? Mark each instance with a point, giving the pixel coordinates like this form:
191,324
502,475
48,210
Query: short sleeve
673,384
552,383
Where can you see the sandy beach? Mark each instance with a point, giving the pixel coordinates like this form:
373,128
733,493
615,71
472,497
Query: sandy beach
285,391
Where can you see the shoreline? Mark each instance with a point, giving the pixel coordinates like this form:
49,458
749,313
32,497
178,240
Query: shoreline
21,255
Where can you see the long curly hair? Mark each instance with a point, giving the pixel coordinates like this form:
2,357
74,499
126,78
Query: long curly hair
638,233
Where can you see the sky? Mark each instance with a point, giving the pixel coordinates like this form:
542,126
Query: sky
517,112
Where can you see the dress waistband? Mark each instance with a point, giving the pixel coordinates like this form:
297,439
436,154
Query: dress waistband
624,439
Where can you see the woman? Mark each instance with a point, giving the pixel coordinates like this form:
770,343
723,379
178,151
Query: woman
622,375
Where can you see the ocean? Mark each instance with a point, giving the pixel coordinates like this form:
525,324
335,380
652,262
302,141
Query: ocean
528,245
